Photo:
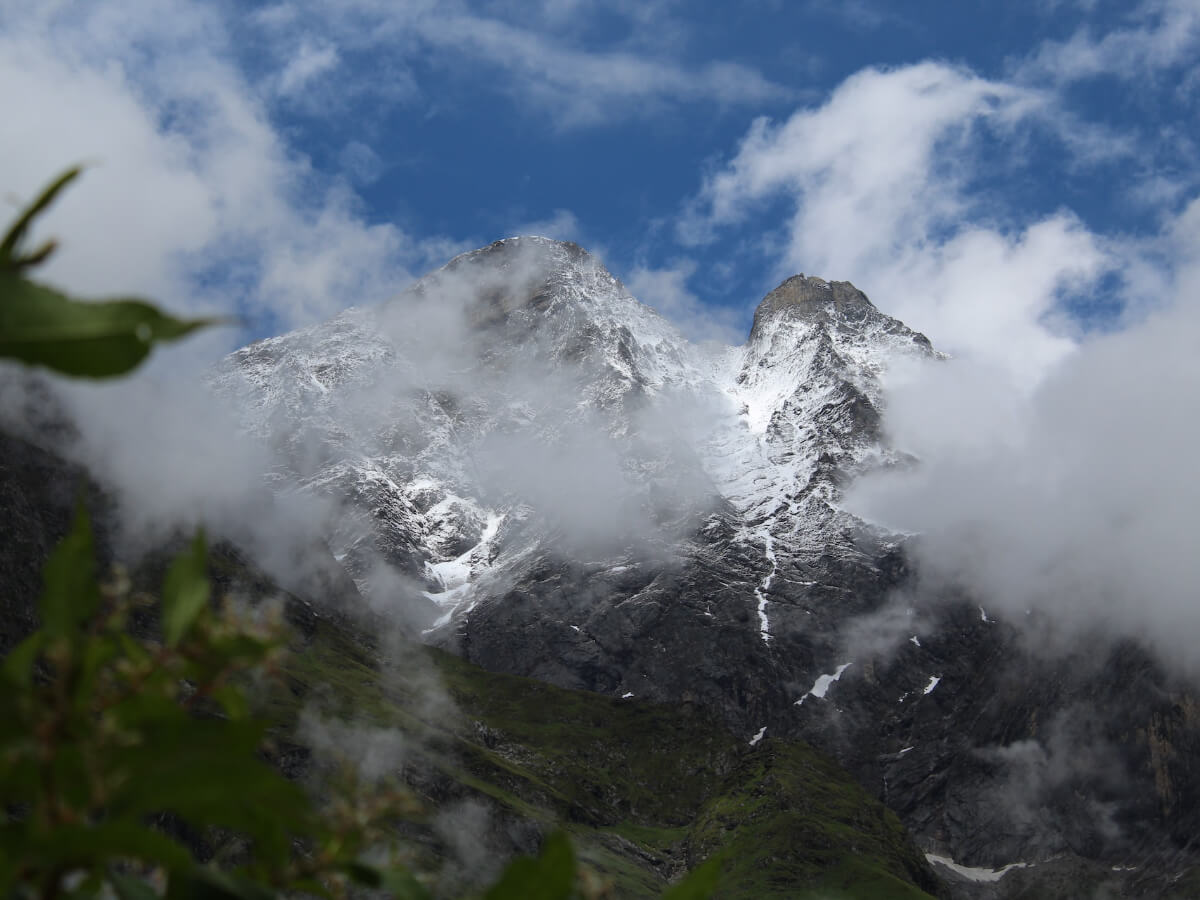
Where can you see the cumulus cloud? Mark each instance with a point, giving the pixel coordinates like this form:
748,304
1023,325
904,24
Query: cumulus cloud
880,182
196,198
202,202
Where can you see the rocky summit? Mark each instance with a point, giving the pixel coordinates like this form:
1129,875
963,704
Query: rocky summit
524,465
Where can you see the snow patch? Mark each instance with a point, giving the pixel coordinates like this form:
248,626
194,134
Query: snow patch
821,685
758,737
972,873
627,695
456,575
934,680
764,626
915,640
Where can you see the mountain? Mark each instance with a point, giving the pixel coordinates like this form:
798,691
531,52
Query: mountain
494,763
570,468
520,463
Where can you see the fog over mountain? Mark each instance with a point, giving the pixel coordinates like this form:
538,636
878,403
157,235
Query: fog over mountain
1076,499
833,531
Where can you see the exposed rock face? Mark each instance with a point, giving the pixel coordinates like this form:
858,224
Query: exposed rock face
37,490
533,469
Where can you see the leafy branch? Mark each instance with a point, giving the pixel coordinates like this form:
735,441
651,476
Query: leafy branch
42,326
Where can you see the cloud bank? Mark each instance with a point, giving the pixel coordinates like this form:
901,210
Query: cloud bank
1078,498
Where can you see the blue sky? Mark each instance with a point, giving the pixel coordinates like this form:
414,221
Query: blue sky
284,160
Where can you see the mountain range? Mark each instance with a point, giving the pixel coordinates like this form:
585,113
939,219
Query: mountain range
517,462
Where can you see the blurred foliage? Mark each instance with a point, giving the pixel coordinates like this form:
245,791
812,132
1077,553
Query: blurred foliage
123,757
42,326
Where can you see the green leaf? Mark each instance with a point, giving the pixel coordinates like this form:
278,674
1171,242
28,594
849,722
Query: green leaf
396,883
18,665
204,883
698,884
232,698
70,594
182,758
549,877
132,649
69,772
97,653
361,873
185,590
127,887
401,885
12,240
310,886
85,845
41,326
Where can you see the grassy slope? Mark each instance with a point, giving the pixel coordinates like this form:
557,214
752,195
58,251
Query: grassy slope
645,790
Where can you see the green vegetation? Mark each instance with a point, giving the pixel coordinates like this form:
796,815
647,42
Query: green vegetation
786,796
130,749
646,791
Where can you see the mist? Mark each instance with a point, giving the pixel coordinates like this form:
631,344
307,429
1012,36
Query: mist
1076,498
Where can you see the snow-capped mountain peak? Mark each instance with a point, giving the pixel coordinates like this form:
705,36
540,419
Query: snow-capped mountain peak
523,384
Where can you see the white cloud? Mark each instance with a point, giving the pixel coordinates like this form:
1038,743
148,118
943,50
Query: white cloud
197,200
310,60
880,180
562,225
547,70
1077,500
1163,34
872,143
652,25
583,87
1151,62
666,290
